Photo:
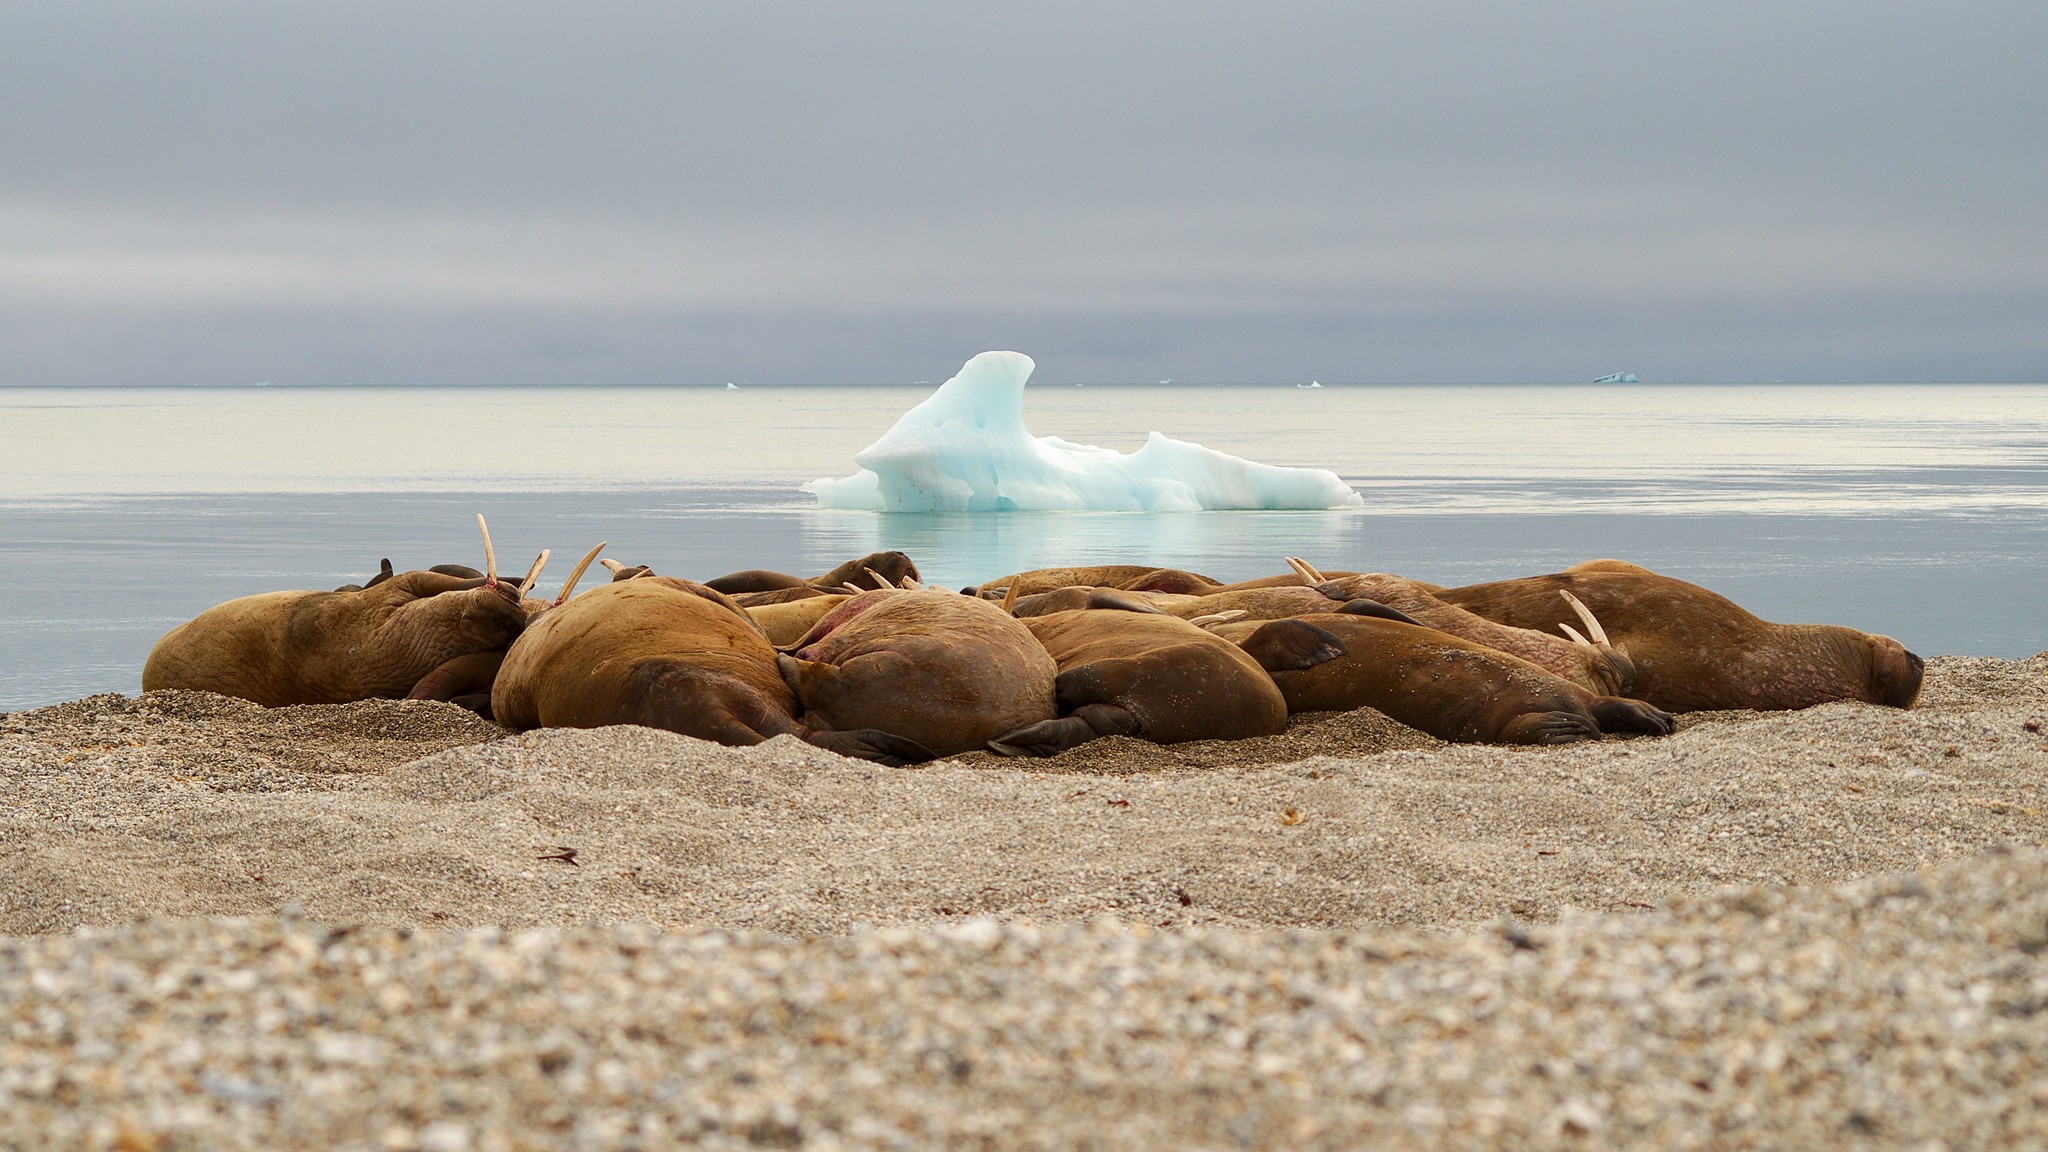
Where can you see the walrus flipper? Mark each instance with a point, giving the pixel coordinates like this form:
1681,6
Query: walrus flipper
1620,714
1097,682
1547,728
1292,645
1108,599
885,748
462,676
1045,738
1052,737
1364,607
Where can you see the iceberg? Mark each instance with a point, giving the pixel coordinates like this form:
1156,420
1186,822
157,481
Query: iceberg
1617,378
966,449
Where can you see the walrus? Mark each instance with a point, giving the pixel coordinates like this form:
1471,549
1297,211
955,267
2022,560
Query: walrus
1587,659
1128,577
386,572
1695,650
951,672
785,623
378,642
1256,604
1452,689
874,570
665,653
1160,678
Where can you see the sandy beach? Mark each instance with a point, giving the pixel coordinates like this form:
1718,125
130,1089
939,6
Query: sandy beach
393,925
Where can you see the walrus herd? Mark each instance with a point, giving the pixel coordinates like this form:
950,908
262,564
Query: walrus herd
868,661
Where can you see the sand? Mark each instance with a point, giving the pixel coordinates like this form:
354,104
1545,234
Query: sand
416,930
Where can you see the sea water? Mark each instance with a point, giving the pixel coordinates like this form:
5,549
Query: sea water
1916,510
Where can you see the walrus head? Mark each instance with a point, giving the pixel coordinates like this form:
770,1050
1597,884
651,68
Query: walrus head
1895,673
875,570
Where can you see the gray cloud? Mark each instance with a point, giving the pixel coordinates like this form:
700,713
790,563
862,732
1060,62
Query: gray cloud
460,193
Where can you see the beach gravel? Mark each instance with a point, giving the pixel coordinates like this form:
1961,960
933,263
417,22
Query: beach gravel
390,925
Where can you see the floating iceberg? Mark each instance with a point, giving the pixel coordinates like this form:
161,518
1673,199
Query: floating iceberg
965,449
1617,378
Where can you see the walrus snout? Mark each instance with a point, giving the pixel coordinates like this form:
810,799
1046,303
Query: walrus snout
1616,669
1896,672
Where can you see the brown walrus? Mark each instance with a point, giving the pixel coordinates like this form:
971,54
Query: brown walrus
665,653
1695,650
1589,660
874,570
1129,577
785,623
1452,689
378,642
948,671
1160,678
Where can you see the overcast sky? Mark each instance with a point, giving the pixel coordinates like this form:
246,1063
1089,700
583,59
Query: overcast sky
198,192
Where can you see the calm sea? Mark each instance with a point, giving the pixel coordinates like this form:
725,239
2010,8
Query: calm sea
1916,510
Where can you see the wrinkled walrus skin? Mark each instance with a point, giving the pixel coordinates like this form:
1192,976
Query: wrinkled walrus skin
379,642
951,672
664,653
1155,677
1449,687
1695,650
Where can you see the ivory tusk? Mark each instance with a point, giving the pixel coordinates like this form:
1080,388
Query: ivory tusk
581,566
1010,599
1216,617
612,566
1307,571
490,555
533,573
1574,634
856,589
1593,627
910,585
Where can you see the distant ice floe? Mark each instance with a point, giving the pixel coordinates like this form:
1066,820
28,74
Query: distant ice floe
966,449
1617,378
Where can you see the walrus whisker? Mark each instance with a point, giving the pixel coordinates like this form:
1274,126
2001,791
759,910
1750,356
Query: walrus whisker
1217,617
1574,634
490,554
533,573
1593,627
569,587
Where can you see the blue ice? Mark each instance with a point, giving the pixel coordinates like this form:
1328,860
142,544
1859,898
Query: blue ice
966,449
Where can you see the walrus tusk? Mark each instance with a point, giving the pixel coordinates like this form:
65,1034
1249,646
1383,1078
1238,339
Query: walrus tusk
490,555
1574,634
1593,627
569,587
612,566
1306,570
1010,598
910,583
533,573
1217,617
